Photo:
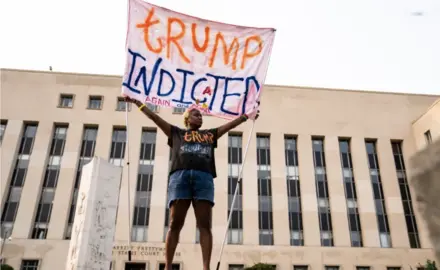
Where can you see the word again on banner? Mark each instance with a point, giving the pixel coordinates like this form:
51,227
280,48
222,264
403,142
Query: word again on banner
174,60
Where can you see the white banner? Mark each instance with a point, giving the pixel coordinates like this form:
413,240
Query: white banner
175,60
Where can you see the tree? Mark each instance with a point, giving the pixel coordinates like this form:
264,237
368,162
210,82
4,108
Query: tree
260,266
429,265
6,267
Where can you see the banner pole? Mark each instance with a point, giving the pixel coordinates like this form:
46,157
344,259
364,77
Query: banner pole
240,176
127,104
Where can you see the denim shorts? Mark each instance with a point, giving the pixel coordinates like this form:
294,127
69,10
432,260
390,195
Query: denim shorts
192,185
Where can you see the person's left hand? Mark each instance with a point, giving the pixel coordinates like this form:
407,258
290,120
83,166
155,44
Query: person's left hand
256,113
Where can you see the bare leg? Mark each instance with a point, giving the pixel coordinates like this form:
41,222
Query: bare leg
178,211
203,210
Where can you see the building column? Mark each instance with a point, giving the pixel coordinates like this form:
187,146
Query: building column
66,180
103,141
338,204
123,223
8,154
220,211
30,195
250,191
159,189
393,199
280,207
364,191
308,191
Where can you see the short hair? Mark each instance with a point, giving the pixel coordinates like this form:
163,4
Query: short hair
186,116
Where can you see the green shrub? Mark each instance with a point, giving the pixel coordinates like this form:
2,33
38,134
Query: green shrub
260,266
6,267
430,265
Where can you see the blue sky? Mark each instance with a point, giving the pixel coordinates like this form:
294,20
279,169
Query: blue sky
381,45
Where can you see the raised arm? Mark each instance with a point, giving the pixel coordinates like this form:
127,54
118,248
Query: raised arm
162,124
231,125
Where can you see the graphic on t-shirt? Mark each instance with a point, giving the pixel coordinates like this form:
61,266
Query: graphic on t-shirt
198,137
198,143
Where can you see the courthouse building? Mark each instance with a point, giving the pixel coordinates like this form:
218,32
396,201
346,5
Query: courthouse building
325,182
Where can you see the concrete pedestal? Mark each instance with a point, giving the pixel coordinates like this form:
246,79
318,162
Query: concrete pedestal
425,180
95,218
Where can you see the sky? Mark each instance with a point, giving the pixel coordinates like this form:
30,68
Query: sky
379,45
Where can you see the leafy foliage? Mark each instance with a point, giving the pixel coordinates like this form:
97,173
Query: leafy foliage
260,266
430,265
6,267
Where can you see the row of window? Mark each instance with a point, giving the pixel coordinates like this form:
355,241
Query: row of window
144,266
322,193
144,185
97,102
33,265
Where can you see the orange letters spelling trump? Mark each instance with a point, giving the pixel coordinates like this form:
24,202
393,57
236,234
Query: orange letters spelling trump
230,53
194,136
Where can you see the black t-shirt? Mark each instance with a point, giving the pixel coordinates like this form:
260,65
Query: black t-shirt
193,150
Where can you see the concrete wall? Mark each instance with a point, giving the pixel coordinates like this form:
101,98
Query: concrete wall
429,121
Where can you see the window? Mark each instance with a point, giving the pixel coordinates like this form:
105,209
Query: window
332,267
178,110
428,137
117,152
393,268
95,102
12,202
405,194
379,198
29,265
236,267
86,154
324,214
354,223
141,216
293,191
174,266
3,124
47,195
135,266
235,232
300,267
121,105
152,107
362,268
66,101
265,214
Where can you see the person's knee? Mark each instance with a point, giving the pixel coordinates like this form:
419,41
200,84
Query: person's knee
204,224
176,224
